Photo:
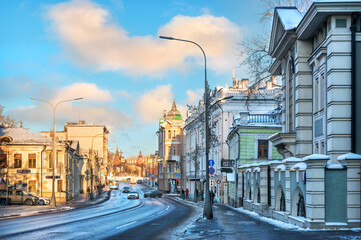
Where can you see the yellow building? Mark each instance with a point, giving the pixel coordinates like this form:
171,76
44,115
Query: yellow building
170,138
26,163
93,142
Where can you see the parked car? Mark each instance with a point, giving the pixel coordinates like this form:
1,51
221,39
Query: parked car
133,194
18,196
139,181
42,200
152,194
126,189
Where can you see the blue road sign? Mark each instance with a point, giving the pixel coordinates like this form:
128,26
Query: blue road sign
211,163
212,170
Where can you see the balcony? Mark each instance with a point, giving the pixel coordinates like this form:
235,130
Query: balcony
175,158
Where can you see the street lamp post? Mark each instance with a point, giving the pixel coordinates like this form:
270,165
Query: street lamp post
207,211
53,199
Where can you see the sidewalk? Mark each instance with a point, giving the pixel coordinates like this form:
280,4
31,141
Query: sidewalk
235,223
81,201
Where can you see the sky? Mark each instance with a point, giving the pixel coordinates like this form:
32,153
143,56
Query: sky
109,53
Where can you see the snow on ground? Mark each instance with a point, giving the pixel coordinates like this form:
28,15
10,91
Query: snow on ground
288,226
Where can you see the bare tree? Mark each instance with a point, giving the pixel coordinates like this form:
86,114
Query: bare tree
6,119
193,159
254,50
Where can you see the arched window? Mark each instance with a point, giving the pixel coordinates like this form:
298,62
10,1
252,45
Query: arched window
257,194
280,200
249,192
298,203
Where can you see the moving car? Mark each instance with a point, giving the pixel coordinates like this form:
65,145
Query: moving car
114,185
133,194
139,181
126,189
153,193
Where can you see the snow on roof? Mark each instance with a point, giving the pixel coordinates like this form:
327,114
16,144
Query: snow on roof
289,16
24,136
274,161
292,159
351,156
299,166
257,169
281,167
316,157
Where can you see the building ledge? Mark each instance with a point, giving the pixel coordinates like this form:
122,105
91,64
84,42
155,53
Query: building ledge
285,143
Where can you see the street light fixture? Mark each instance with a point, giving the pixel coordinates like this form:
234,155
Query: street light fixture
207,211
53,199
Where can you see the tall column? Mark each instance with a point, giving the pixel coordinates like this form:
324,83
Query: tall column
315,190
353,163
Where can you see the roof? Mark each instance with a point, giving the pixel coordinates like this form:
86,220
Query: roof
290,17
23,136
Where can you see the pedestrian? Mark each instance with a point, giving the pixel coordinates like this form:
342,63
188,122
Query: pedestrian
182,193
212,196
187,192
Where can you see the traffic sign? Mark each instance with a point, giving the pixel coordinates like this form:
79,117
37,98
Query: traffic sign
170,175
150,160
177,175
212,170
211,163
219,181
101,174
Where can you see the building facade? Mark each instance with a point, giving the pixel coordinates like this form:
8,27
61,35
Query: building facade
317,184
170,142
27,164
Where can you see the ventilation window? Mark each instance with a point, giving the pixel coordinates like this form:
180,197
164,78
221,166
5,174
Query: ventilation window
340,23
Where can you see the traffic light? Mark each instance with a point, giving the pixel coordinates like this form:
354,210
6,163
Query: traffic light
177,179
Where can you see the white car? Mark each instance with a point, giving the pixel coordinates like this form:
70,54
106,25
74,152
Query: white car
133,194
44,201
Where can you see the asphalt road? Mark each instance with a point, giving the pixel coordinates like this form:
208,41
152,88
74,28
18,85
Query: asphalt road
117,218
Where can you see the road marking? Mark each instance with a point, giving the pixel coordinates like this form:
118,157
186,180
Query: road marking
126,224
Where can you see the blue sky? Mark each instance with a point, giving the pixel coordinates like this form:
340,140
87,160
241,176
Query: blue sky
109,53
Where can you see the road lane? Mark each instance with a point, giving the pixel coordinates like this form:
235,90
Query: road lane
116,217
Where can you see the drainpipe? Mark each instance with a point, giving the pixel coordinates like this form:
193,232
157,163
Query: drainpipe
353,29
41,171
236,163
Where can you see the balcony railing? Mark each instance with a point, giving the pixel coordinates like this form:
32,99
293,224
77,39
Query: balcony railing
264,118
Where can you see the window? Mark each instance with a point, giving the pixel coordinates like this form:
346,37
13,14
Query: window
60,185
174,134
32,186
174,150
322,151
169,151
169,167
262,149
3,160
340,23
32,160
51,160
17,161
316,96
322,92
169,134
316,148
290,96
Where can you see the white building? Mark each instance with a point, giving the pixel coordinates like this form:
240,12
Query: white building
225,102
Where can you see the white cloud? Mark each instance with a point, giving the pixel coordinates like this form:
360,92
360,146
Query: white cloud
151,104
92,40
89,91
194,96
91,109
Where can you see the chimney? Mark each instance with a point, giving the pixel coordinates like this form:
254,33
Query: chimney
82,122
232,73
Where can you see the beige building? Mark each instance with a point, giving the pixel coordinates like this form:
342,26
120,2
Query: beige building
26,163
93,142
170,138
